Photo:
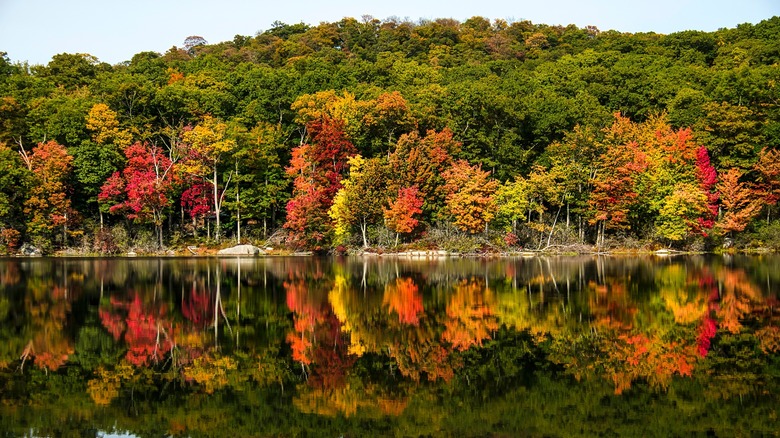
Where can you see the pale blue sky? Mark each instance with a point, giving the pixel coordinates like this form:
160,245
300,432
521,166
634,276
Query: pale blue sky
113,31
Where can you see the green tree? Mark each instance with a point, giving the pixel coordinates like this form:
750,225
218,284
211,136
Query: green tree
209,147
731,133
14,177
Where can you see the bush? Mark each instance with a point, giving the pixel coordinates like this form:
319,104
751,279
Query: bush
452,240
9,240
145,241
106,241
765,236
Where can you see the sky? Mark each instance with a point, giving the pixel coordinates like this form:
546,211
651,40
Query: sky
115,30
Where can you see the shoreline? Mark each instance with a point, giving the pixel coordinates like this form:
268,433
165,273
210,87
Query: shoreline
408,254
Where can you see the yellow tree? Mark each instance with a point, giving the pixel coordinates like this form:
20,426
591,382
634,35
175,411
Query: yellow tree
209,145
361,197
103,123
94,161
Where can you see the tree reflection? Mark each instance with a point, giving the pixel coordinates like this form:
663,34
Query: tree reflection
373,339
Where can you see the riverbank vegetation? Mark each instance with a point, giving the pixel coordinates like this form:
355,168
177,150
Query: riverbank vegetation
363,133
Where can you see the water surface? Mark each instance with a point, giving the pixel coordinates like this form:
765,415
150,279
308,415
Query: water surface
354,347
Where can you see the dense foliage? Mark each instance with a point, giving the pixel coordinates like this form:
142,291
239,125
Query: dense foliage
523,134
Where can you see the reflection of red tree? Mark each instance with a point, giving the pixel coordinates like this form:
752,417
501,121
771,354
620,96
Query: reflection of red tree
317,338
331,359
146,331
708,327
145,342
113,322
198,308
403,298
306,315
299,341
707,331
638,356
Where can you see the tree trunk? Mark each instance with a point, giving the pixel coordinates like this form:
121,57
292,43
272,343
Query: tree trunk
549,237
238,209
216,205
65,231
363,226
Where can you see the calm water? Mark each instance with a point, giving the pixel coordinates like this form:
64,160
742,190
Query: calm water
363,347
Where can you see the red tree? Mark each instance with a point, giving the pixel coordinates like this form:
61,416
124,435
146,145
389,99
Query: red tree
142,191
400,216
708,177
318,169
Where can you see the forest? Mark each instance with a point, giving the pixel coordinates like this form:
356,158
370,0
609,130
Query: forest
367,134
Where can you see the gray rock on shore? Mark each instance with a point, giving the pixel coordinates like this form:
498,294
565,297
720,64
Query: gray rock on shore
30,250
241,250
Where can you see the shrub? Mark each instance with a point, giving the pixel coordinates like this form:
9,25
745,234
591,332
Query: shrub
9,240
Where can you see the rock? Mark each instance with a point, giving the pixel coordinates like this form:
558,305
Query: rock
30,250
241,250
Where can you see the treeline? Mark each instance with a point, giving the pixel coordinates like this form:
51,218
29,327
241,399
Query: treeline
379,133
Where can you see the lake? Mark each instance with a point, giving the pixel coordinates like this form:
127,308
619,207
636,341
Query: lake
290,346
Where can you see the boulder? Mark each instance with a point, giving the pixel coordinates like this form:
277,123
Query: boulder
30,250
241,250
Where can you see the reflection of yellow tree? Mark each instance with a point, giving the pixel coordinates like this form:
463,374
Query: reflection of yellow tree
769,338
210,372
104,388
416,348
685,299
470,315
370,400
48,307
530,308
349,309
